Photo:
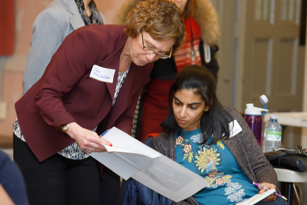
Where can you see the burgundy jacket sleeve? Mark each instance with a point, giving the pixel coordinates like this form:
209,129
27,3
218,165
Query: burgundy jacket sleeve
73,58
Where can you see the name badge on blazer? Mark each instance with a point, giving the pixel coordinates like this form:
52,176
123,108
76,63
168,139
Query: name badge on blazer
102,74
234,128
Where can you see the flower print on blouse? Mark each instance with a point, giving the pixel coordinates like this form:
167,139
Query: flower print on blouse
207,158
234,192
186,148
227,182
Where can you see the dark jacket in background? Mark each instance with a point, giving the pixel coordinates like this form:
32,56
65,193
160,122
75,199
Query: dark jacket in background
12,181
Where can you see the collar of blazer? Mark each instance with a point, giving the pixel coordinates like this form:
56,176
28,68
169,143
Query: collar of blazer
137,76
76,20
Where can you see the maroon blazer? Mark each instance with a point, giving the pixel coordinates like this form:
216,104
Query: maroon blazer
66,93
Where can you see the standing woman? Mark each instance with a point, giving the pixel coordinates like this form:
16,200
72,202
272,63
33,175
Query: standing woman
198,136
51,26
94,78
203,31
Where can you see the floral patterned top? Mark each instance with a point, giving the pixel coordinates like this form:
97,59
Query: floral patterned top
215,163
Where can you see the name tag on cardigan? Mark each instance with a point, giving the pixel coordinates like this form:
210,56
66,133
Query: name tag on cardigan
234,128
102,74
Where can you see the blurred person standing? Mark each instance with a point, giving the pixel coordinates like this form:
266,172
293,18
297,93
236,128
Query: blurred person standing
51,26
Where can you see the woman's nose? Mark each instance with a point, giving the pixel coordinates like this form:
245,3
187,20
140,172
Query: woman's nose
182,113
151,56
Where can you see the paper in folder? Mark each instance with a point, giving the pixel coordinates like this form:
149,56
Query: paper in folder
129,157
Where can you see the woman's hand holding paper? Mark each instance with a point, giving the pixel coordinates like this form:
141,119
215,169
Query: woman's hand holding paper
88,140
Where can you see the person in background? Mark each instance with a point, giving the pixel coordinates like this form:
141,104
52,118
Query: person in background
51,26
91,84
12,181
203,31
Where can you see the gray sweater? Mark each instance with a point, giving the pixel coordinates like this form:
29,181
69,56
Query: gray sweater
51,26
243,146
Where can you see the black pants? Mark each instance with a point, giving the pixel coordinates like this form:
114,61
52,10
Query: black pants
58,180
110,187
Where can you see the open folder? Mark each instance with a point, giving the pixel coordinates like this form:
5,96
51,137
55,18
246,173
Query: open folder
129,157
256,198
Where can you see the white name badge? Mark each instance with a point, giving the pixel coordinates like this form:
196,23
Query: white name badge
234,128
102,74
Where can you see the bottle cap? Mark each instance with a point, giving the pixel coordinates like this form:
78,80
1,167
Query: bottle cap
251,110
263,99
273,117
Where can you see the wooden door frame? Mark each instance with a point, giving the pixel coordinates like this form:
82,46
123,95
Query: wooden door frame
304,130
229,54
226,87
237,31
241,31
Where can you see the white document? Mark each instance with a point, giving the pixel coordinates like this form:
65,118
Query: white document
102,74
171,179
256,198
129,157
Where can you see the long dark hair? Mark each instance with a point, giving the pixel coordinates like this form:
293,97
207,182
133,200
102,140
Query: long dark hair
215,121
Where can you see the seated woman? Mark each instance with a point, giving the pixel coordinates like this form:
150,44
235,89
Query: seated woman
197,136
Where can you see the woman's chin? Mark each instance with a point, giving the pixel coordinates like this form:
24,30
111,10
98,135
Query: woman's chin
182,126
139,62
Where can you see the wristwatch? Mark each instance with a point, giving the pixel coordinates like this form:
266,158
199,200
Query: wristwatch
65,128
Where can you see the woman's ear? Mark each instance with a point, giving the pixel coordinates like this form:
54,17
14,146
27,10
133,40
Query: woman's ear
207,107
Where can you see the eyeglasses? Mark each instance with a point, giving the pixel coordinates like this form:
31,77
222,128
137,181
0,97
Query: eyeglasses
162,55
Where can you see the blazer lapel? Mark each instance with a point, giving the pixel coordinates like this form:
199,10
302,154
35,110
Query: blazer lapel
76,20
137,77
112,62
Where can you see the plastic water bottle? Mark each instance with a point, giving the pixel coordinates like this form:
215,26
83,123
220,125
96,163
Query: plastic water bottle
253,118
264,100
264,137
272,134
